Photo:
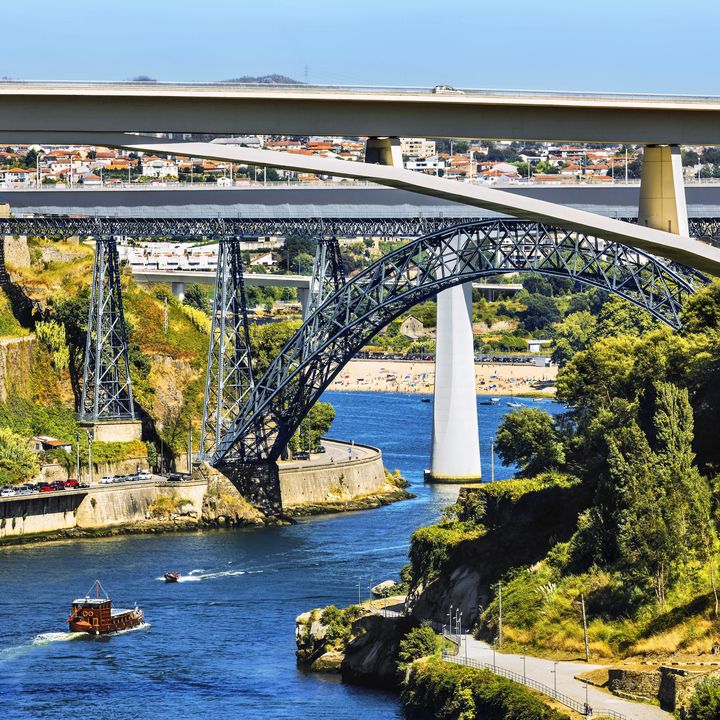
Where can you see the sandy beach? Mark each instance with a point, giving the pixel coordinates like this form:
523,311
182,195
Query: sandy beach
419,376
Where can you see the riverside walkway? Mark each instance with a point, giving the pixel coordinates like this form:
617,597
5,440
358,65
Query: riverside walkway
556,676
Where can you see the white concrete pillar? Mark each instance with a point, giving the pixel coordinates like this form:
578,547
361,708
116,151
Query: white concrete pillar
304,297
178,289
455,440
662,190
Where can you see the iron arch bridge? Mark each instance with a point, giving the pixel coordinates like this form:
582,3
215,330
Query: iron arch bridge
367,302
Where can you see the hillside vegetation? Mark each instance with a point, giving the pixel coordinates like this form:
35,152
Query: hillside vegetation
617,501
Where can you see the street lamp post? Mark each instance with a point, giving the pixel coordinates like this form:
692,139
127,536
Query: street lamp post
554,672
524,670
494,659
90,460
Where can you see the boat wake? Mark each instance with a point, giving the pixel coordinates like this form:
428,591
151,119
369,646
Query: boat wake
200,574
142,626
47,638
40,640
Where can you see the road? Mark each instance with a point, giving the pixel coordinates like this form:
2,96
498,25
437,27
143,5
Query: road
335,452
543,671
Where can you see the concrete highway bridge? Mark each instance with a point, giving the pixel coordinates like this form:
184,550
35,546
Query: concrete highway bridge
653,262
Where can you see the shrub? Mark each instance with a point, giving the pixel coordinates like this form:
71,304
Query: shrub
454,692
417,643
339,622
705,702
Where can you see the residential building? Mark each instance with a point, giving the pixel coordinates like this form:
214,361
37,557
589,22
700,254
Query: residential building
417,147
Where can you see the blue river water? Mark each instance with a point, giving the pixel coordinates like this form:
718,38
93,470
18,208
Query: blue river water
220,645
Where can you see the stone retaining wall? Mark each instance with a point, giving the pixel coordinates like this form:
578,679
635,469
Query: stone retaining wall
98,507
333,482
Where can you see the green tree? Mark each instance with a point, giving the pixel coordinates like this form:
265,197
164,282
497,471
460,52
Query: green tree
196,296
573,334
313,427
705,701
620,317
664,519
267,341
530,439
540,312
17,460
418,643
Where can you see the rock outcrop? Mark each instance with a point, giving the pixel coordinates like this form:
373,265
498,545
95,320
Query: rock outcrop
371,658
223,505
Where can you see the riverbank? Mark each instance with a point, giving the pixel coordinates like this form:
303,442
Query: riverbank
347,477
417,376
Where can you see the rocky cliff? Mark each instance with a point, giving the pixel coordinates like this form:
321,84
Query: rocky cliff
512,532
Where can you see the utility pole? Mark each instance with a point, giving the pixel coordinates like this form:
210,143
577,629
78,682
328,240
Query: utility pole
77,457
190,450
626,166
585,628
500,633
90,460
492,459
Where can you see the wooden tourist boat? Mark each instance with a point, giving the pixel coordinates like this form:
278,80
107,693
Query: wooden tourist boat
96,615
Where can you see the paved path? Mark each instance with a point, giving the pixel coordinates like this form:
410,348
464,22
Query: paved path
542,671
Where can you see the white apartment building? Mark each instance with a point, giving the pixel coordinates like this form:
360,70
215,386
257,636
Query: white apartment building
417,147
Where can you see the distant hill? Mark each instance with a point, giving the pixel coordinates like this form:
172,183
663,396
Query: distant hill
265,80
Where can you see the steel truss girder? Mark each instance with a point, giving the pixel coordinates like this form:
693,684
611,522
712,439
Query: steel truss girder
142,227
229,378
107,388
328,273
418,270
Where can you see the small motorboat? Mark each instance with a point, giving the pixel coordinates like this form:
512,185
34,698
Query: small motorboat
172,577
426,400
516,405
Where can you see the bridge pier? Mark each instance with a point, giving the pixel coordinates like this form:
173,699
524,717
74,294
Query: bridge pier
662,190
455,454
107,398
383,151
304,298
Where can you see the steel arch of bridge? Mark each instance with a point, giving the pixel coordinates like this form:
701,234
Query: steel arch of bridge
347,319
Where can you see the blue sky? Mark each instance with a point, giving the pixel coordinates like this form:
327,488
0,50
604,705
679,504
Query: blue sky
613,45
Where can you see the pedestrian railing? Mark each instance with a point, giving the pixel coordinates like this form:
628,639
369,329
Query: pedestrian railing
566,700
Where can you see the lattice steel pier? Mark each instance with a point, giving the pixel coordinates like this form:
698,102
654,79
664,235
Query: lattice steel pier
107,389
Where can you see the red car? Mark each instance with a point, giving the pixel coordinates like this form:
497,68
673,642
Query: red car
71,483
47,488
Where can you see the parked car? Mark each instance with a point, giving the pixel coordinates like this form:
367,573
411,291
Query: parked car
106,480
144,475
71,483
301,456
319,449
7,492
119,479
47,488
174,477
83,485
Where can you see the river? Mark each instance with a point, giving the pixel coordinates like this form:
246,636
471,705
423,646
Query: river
221,644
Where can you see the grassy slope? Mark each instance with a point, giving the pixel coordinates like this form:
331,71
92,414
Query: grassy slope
168,380
495,530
